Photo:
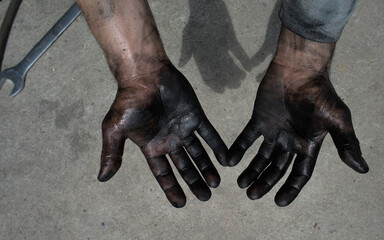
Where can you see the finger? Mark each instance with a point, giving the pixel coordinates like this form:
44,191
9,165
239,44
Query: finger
345,140
203,162
272,174
242,143
213,139
164,175
301,173
190,175
112,151
257,165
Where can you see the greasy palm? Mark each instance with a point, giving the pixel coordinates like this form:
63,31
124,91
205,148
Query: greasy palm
160,113
296,106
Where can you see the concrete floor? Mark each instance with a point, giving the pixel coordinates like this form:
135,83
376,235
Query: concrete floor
51,138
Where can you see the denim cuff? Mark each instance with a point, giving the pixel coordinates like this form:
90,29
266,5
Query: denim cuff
317,20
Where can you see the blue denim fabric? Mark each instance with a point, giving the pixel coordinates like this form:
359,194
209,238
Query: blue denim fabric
317,20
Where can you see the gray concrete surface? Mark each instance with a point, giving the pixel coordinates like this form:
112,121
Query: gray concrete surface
50,137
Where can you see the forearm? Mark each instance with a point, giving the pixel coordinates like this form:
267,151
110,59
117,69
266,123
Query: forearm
127,33
298,52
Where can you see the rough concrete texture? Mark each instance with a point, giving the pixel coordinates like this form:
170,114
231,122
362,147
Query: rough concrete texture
50,137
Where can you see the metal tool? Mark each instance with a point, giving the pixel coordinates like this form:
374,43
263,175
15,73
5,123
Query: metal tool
6,26
17,73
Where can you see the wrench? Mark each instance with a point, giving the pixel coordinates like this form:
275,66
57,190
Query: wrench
17,73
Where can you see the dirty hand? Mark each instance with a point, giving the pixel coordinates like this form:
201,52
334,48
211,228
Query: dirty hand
296,106
160,113
155,105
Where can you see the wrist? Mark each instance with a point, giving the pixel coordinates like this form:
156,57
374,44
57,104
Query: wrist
127,33
127,67
294,51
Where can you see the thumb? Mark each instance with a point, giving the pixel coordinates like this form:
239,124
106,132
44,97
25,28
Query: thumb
113,148
242,143
343,135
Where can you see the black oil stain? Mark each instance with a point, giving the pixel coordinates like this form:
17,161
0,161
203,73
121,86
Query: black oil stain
77,137
67,113
46,107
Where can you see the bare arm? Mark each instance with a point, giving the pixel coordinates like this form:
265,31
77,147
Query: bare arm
155,105
128,35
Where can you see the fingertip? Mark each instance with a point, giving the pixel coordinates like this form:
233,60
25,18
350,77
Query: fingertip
178,204
257,190
247,177
222,158
285,196
108,169
213,181
204,195
281,202
201,190
234,155
354,161
243,181
176,196
105,175
363,166
102,178
252,195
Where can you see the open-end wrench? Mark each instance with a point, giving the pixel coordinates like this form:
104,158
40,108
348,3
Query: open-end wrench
6,25
17,73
